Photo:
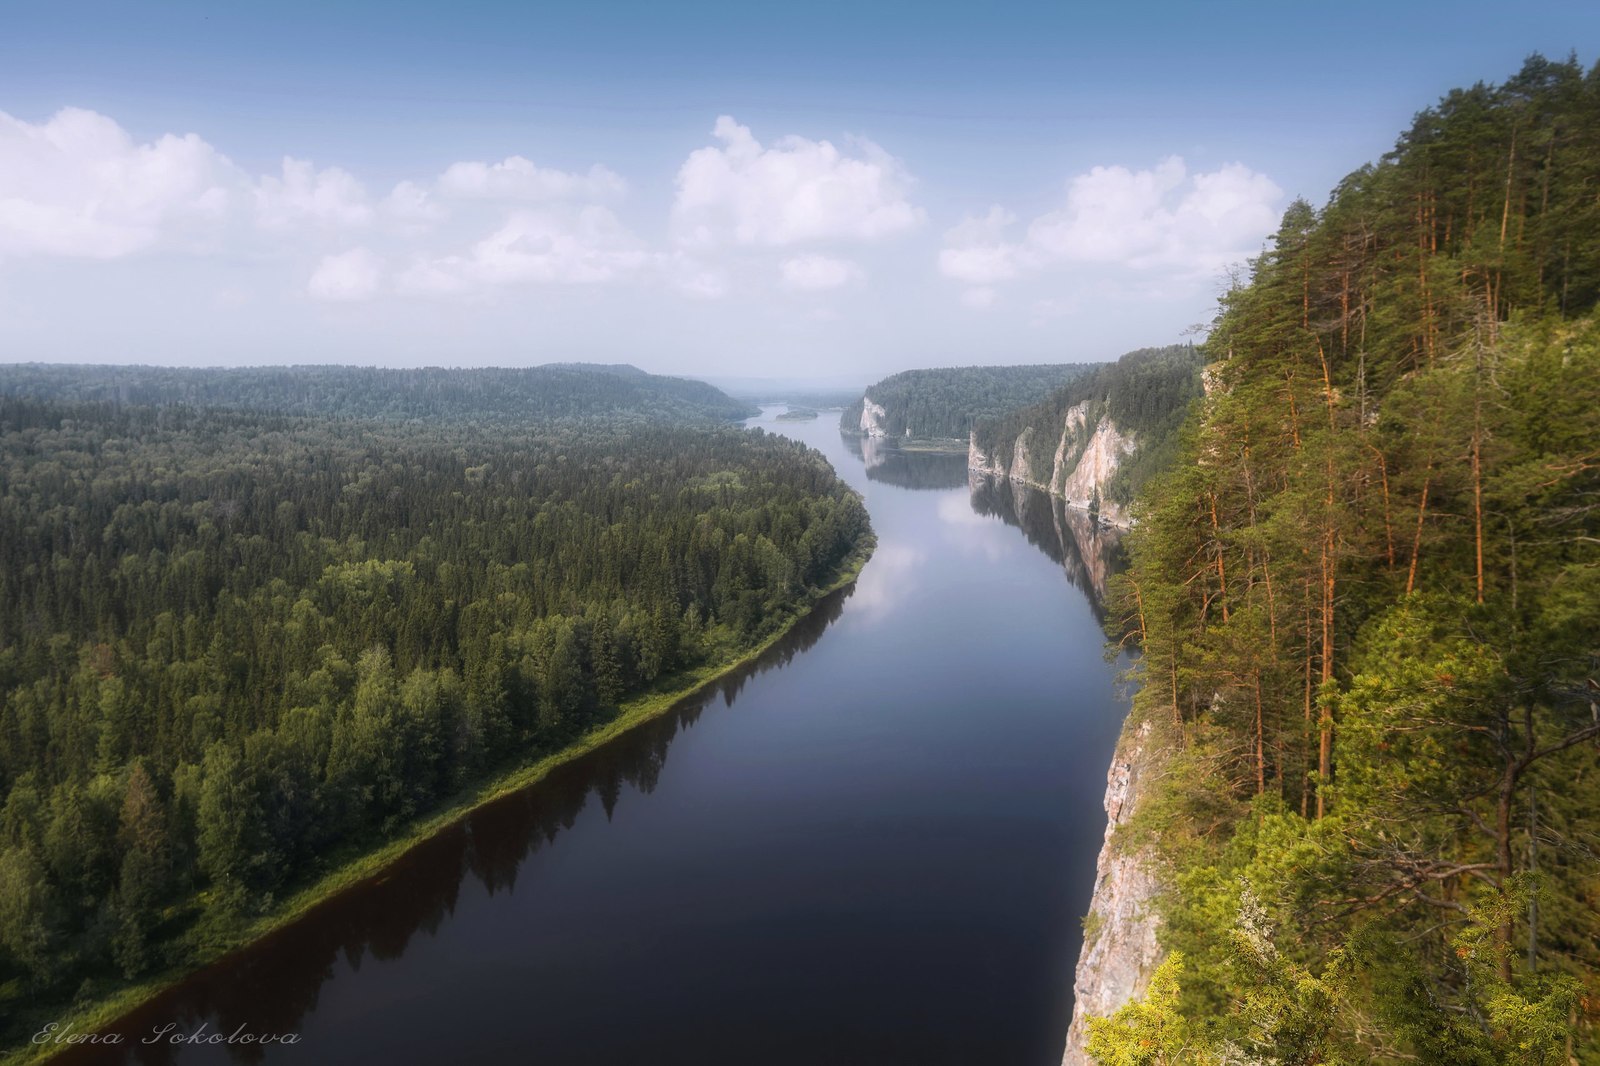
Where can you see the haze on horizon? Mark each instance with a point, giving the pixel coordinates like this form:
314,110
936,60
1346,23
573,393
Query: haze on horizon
838,191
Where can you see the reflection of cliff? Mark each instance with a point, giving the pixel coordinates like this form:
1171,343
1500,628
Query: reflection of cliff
908,469
1089,553
273,985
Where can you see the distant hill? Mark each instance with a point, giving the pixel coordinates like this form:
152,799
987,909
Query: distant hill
945,404
561,392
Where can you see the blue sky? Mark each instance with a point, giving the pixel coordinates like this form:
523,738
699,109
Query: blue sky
895,184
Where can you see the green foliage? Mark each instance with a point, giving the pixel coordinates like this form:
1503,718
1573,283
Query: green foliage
1368,597
1151,1031
237,646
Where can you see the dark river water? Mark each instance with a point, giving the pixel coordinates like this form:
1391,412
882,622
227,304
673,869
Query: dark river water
872,847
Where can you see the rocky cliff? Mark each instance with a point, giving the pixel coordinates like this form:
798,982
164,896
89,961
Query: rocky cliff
1078,468
872,419
1120,949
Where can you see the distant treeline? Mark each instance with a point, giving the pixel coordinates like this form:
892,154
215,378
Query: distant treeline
947,403
236,646
604,394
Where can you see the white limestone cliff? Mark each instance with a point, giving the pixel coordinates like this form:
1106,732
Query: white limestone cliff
872,416
1120,949
1080,469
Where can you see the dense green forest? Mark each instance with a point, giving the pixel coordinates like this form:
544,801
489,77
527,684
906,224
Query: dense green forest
237,647
568,392
946,403
1146,394
1368,596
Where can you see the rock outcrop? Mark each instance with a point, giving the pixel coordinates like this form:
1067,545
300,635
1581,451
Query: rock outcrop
1120,949
1082,465
872,419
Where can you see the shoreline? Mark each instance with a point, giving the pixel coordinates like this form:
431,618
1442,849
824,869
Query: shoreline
361,869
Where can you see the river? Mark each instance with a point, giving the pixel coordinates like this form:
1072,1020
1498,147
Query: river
874,846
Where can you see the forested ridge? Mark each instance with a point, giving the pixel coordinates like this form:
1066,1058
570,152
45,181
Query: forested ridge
604,394
237,647
1146,394
1368,598
946,403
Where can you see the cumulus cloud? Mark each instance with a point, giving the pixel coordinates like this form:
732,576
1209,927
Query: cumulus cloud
517,178
1163,221
791,192
583,247
693,278
819,272
303,194
1162,217
977,251
79,185
348,276
412,204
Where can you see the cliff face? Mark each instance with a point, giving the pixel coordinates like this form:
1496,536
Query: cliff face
1082,464
1120,949
872,419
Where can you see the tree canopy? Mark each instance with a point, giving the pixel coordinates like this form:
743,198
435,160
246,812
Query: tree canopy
946,403
237,645
1368,595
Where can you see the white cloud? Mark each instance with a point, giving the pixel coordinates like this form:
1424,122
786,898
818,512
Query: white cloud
982,265
411,204
517,178
348,276
1162,221
586,246
1162,218
977,252
987,228
79,185
693,278
795,191
819,272
304,194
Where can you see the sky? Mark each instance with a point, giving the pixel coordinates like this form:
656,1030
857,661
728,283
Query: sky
828,189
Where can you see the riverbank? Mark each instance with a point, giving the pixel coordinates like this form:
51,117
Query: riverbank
104,1011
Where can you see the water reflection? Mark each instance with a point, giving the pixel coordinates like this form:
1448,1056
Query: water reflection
1089,552
274,984
907,469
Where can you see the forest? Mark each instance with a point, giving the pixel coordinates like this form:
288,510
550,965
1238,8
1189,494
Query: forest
944,404
604,394
1146,394
243,641
1367,595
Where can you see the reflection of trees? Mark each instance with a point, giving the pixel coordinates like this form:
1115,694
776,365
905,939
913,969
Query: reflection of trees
271,986
909,470
1088,552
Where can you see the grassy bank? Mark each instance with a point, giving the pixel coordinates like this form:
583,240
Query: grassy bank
932,444
940,445
103,1011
